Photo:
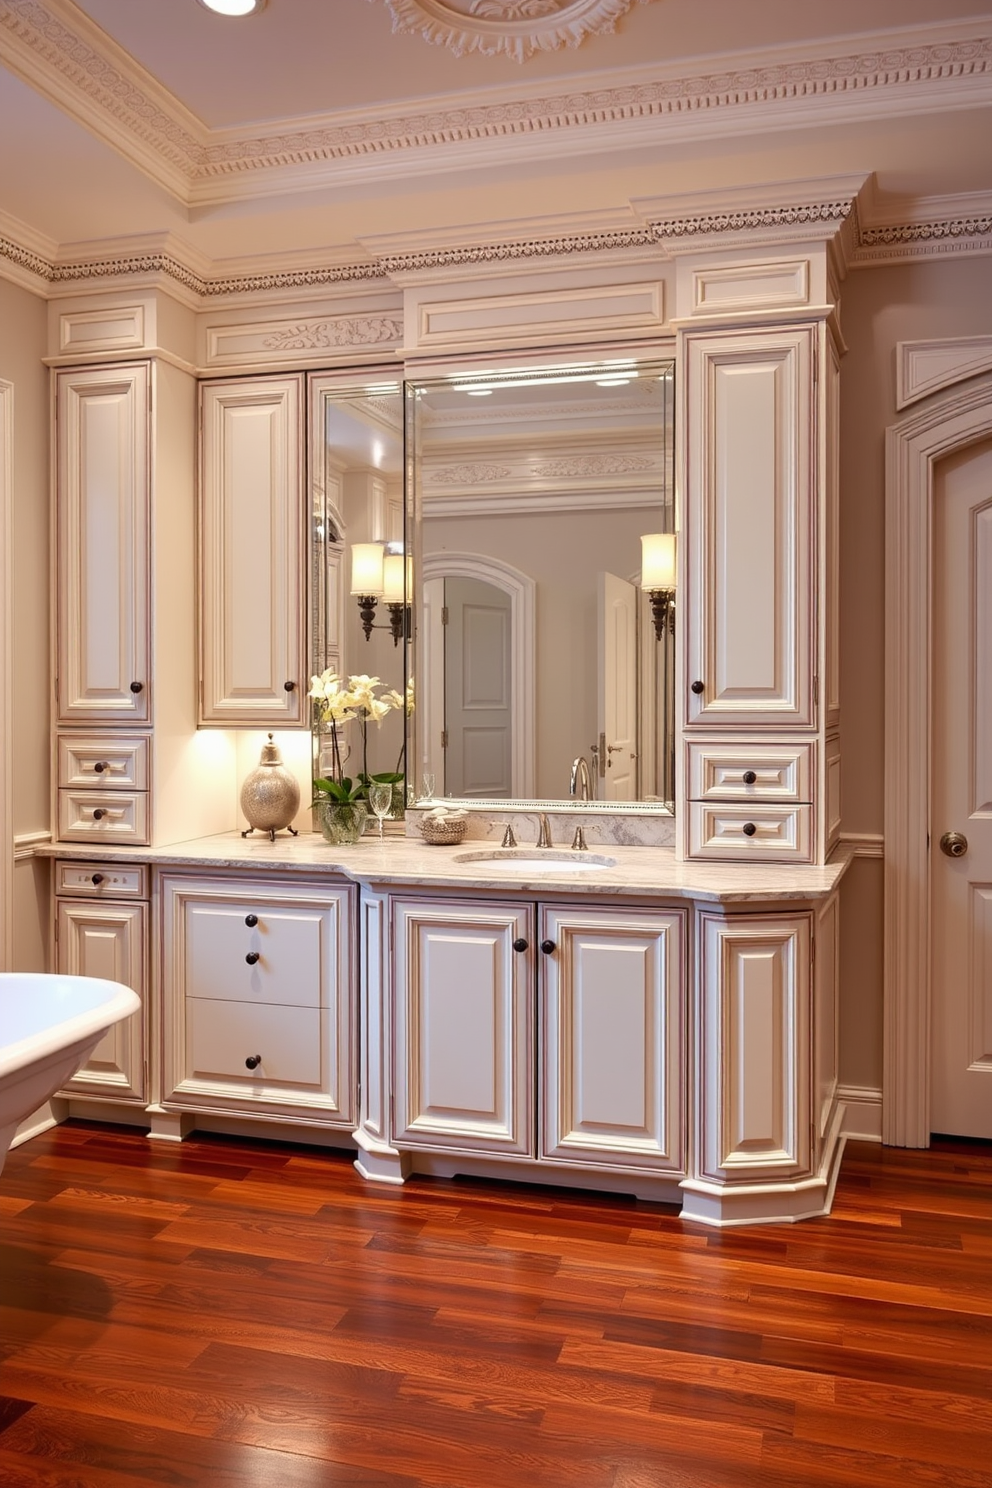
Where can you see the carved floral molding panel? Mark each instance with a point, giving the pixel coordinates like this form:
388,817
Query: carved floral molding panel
513,28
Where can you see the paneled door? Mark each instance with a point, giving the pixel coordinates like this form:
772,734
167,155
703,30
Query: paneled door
961,807
478,691
617,690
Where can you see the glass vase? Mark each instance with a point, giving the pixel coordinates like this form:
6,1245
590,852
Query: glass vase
341,822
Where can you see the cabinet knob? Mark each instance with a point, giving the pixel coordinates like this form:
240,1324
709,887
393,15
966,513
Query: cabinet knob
697,686
520,944
749,777
96,878
137,687
99,813
253,1061
252,957
100,766
251,921
289,686
749,829
548,947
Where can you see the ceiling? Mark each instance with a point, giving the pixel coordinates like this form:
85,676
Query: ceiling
315,128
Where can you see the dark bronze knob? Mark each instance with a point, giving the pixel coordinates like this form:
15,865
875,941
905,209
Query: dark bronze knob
99,813
252,957
548,946
96,878
251,921
954,844
137,686
520,944
697,687
289,686
253,1061
749,777
749,829
100,766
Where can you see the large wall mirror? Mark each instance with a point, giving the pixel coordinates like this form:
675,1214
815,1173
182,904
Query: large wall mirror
543,655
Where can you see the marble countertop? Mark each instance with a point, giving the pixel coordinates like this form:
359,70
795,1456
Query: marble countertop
637,872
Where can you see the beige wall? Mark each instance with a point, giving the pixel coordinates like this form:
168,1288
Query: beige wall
881,307
22,346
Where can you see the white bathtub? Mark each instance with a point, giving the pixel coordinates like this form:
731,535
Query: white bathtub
49,1026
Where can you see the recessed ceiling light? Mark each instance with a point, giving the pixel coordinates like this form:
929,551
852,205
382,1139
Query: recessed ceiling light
234,7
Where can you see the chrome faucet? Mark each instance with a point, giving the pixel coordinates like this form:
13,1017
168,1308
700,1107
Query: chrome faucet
580,778
544,835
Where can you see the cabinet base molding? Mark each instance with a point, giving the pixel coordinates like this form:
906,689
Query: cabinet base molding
516,1170
765,1203
380,1163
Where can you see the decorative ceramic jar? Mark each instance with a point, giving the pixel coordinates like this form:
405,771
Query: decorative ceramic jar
270,795
340,822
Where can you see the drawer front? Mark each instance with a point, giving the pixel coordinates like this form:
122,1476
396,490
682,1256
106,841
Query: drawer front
281,958
100,881
92,762
103,816
729,771
771,834
286,1041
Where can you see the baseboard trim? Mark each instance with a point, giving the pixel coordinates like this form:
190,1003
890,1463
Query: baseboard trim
862,1113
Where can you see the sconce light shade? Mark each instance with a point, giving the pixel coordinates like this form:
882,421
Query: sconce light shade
366,569
393,573
658,560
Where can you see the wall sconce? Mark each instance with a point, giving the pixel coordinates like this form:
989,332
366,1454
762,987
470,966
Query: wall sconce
378,573
658,579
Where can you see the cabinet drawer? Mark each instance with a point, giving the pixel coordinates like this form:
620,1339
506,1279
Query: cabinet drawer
781,834
92,762
223,1035
281,958
723,770
100,881
105,816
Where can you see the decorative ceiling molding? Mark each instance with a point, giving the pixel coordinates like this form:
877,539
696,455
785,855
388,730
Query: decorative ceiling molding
24,260
511,28
927,367
55,48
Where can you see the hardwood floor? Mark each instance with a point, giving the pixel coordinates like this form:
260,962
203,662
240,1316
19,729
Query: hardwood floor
235,1315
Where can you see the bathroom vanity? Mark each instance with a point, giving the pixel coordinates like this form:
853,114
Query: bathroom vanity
664,1023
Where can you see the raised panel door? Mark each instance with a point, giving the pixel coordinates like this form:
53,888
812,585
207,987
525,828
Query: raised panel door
749,438
754,1046
253,533
463,1003
107,940
102,522
612,1045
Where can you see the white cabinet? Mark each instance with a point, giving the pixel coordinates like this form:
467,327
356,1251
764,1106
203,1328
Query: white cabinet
588,1011
101,931
759,709
102,530
612,1050
463,1026
259,987
754,1104
254,666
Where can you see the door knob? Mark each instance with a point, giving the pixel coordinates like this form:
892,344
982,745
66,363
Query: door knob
954,844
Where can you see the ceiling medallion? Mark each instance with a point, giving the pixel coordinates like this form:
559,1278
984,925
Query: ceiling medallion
515,28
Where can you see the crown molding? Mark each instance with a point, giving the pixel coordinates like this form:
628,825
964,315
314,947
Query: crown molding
840,208
64,56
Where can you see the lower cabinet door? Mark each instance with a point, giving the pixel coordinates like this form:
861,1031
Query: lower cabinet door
613,990
462,1013
755,1113
259,992
107,940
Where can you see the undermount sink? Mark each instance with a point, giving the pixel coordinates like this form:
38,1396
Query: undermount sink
524,861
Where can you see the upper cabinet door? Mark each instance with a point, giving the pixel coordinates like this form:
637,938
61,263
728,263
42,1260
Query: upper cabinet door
102,519
748,526
254,667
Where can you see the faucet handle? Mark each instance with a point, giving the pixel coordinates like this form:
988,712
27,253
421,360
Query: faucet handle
579,843
508,838
544,835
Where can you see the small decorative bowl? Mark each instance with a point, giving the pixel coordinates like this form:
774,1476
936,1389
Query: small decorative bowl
442,833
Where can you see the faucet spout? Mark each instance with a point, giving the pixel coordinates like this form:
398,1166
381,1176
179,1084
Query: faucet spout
544,835
580,780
